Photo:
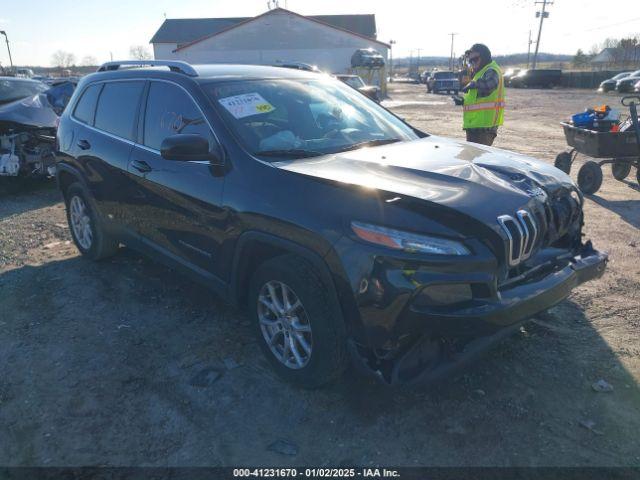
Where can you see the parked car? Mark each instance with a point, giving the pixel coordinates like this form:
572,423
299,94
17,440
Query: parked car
424,77
367,57
509,74
538,78
443,82
24,73
610,84
626,84
371,91
29,112
345,231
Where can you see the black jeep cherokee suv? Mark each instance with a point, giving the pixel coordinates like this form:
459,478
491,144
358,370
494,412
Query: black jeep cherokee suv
346,232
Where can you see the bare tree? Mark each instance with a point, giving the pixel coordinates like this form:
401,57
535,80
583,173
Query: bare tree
62,59
88,61
139,52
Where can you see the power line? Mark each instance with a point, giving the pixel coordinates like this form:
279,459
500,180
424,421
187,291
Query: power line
601,27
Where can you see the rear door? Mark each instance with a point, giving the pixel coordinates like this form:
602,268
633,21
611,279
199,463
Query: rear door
104,140
181,214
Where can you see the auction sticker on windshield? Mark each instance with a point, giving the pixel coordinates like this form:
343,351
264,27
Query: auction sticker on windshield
245,105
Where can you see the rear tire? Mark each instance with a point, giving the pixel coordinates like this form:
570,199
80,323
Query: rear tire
87,230
321,355
620,170
590,178
563,162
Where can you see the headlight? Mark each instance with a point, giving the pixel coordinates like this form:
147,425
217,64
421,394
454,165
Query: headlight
408,242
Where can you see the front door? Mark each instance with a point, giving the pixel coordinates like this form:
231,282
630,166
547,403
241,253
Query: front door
181,212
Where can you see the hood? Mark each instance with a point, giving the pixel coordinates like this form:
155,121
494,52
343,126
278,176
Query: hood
480,181
33,112
39,111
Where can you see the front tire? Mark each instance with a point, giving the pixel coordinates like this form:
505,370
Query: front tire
87,230
298,323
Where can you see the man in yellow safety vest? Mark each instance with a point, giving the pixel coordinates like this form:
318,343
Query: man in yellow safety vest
483,106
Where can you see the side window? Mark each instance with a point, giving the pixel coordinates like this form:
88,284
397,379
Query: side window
117,108
86,107
171,111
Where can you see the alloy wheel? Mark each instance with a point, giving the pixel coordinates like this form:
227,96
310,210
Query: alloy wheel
80,222
285,325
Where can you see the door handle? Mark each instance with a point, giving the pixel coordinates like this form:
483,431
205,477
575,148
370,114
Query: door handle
141,166
84,144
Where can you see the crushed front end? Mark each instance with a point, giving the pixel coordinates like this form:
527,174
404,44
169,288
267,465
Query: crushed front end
420,318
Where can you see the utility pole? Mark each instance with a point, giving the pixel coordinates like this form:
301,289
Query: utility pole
410,61
391,44
543,14
529,49
418,62
2,32
451,56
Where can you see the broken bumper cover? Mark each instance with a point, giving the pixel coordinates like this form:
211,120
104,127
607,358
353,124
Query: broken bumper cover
426,361
518,302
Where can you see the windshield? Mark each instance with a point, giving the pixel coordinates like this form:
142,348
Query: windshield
355,82
621,76
12,89
301,118
441,75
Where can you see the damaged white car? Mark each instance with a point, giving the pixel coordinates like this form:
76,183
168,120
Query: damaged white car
29,112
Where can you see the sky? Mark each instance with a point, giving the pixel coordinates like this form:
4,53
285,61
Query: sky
37,28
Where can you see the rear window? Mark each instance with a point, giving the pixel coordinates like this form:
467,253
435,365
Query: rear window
86,107
117,108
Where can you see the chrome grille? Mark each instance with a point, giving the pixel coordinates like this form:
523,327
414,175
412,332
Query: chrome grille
522,233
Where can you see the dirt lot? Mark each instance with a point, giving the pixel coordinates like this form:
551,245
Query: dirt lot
115,363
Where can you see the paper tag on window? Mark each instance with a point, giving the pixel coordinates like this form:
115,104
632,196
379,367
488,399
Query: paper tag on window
245,105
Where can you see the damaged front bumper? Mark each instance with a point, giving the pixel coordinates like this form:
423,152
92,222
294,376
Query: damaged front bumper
436,354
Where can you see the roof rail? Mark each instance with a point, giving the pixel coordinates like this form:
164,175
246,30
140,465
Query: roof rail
174,65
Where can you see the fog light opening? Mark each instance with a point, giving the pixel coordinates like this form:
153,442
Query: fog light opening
445,295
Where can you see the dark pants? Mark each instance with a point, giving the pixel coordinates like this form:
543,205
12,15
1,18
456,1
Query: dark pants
481,135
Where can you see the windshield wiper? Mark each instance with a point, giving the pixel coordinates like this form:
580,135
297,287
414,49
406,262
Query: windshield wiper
370,143
290,153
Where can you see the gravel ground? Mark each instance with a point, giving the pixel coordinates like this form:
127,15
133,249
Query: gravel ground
126,363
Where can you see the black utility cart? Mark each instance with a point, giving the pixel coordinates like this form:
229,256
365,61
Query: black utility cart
620,149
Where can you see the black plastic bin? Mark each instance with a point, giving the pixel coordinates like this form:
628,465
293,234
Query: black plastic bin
601,144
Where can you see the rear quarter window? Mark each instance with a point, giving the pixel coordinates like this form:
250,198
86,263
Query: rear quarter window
86,108
117,108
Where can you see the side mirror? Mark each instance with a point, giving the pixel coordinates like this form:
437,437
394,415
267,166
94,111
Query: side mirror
188,146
